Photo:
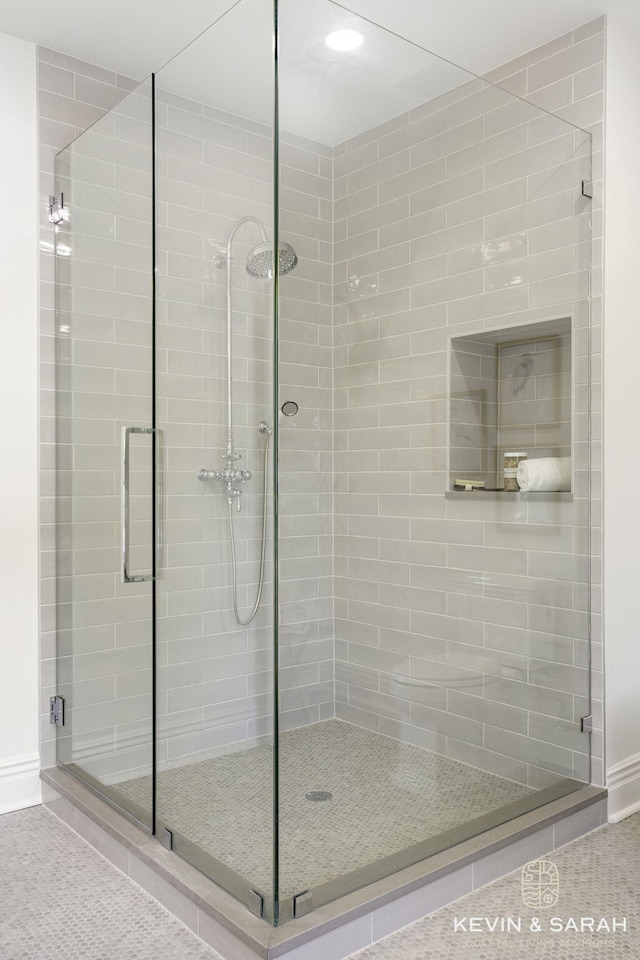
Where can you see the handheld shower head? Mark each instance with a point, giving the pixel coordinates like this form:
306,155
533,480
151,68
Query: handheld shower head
260,260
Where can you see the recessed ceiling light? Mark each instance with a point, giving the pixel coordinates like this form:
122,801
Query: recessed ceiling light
345,40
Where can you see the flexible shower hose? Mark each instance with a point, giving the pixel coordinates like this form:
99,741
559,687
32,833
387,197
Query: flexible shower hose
265,493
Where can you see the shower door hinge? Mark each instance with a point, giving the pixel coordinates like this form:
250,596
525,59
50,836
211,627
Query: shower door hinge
166,838
56,711
302,903
587,189
56,209
255,903
586,724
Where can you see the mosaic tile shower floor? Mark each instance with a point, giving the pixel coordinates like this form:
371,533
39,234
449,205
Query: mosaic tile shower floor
386,797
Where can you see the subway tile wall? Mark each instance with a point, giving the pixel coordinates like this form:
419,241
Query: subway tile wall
104,359
567,76
216,676
73,95
454,629
411,620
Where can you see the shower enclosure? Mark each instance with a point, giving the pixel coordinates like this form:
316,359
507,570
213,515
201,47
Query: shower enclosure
305,636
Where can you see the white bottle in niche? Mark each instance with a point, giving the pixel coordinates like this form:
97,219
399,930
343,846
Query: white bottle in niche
511,461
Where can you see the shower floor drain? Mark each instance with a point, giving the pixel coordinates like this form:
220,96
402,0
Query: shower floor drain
318,795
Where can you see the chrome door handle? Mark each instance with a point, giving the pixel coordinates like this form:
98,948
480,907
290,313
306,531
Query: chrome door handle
124,505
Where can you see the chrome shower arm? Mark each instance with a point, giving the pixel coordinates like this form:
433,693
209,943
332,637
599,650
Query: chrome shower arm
232,233
240,223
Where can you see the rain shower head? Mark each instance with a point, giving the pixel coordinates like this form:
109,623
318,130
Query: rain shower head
260,260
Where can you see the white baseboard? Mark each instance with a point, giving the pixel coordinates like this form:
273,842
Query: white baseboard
623,784
20,782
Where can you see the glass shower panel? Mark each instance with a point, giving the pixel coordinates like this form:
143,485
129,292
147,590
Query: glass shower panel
104,262
438,318
214,366
354,388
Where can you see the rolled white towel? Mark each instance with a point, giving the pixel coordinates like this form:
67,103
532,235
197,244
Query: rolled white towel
546,473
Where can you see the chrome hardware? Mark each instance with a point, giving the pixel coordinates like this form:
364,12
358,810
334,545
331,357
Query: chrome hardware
160,500
166,838
124,505
255,903
302,903
586,724
587,189
56,209
289,408
232,474
56,711
228,477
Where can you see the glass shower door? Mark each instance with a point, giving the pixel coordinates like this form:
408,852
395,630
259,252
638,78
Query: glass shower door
433,624
214,404
104,324
306,634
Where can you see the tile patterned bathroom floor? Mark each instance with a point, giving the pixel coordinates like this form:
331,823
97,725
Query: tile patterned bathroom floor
386,797
60,900
599,877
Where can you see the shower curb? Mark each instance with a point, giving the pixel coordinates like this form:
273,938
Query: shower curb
337,929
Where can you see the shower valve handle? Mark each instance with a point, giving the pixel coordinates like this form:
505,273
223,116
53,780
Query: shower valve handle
228,477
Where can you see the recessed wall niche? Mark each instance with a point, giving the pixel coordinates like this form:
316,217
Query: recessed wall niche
510,389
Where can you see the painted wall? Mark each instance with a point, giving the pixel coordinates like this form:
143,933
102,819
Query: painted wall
19,784
622,397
